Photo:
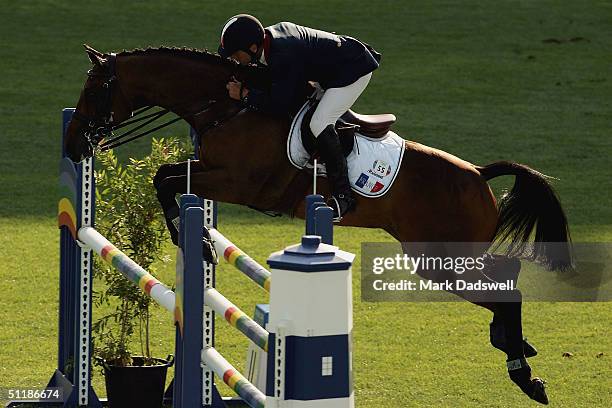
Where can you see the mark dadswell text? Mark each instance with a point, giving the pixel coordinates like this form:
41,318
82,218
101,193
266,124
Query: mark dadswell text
448,285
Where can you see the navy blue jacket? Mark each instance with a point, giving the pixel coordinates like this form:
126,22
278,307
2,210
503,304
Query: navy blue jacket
300,54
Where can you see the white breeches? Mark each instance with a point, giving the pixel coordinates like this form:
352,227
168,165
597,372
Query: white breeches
335,102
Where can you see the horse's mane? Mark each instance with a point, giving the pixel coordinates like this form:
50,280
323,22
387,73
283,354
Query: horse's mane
191,53
201,55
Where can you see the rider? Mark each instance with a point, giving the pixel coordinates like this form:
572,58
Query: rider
295,55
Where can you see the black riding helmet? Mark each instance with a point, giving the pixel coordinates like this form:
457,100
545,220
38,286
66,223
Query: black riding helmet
238,33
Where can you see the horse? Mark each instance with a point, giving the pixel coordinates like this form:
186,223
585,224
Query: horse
436,197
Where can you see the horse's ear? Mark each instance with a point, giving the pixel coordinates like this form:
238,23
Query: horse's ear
96,57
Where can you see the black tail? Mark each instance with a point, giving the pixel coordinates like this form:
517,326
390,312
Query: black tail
531,204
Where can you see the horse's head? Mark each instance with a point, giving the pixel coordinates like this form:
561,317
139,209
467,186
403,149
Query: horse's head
101,106
186,82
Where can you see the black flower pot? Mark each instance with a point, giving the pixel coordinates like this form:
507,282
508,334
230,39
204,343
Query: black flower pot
137,385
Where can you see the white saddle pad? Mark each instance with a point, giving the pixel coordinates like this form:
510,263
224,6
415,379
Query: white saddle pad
373,164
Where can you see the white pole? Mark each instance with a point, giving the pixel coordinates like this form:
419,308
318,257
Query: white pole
314,177
188,176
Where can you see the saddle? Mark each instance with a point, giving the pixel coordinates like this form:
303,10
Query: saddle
371,126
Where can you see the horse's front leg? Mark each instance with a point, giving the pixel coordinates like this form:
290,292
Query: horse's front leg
170,180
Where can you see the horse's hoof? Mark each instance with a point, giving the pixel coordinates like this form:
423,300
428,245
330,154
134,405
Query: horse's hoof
538,391
520,374
209,253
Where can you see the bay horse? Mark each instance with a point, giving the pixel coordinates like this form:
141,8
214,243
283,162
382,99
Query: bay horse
436,197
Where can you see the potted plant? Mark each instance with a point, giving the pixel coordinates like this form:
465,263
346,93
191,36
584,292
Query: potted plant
129,215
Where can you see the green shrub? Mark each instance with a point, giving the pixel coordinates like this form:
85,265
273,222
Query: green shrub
129,215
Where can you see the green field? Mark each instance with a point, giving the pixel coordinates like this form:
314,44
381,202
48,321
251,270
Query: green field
529,81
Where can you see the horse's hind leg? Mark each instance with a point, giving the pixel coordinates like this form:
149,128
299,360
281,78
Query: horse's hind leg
171,179
501,268
518,368
467,215
506,305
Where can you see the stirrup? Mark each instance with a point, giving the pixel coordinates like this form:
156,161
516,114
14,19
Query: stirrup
335,204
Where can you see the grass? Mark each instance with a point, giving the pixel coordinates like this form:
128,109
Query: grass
484,80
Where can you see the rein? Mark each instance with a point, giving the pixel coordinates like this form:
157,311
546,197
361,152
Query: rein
117,141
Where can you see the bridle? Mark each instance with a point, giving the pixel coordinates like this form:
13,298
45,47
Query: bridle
102,125
99,129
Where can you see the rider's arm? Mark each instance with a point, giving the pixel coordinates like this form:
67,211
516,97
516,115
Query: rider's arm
287,76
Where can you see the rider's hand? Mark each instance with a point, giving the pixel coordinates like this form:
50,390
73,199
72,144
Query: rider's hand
234,88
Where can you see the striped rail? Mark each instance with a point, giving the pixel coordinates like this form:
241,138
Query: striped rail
236,381
244,263
130,269
165,296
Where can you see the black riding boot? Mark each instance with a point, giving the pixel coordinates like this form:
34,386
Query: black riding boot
342,200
